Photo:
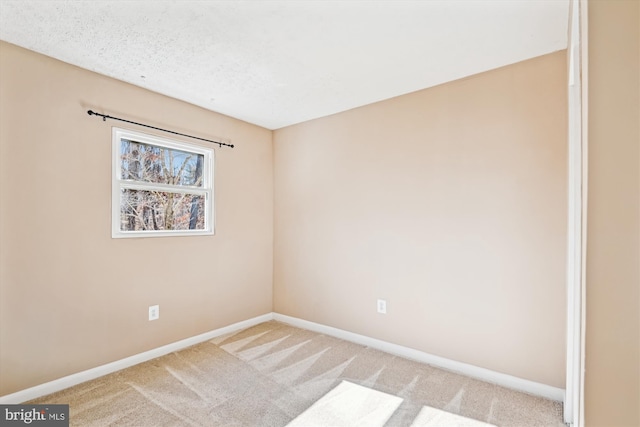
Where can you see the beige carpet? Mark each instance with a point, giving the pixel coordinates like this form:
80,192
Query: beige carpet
274,374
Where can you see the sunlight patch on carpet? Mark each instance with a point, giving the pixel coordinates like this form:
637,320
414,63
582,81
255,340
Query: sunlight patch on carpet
432,417
349,405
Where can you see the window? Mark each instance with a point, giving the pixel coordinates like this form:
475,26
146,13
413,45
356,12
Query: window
160,187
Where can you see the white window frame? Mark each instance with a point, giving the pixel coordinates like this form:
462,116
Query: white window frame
119,184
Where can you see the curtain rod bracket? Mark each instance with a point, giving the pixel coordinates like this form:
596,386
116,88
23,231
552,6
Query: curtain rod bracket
105,117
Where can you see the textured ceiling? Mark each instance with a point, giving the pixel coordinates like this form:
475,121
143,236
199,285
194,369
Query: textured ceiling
276,63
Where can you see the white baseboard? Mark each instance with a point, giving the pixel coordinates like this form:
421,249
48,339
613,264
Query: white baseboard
498,378
90,374
509,381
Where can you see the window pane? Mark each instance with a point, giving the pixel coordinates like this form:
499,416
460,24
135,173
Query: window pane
142,210
152,163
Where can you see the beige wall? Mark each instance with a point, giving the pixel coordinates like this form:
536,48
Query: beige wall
450,203
72,298
612,390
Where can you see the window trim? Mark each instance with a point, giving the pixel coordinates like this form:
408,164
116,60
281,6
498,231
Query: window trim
118,184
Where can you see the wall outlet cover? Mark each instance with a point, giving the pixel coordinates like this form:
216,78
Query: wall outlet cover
154,312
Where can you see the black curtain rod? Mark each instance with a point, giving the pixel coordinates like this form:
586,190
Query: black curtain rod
105,117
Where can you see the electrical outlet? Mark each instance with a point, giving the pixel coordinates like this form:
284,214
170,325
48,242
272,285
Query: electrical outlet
382,306
154,312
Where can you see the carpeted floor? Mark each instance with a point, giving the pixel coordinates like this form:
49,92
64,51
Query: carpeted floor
274,374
